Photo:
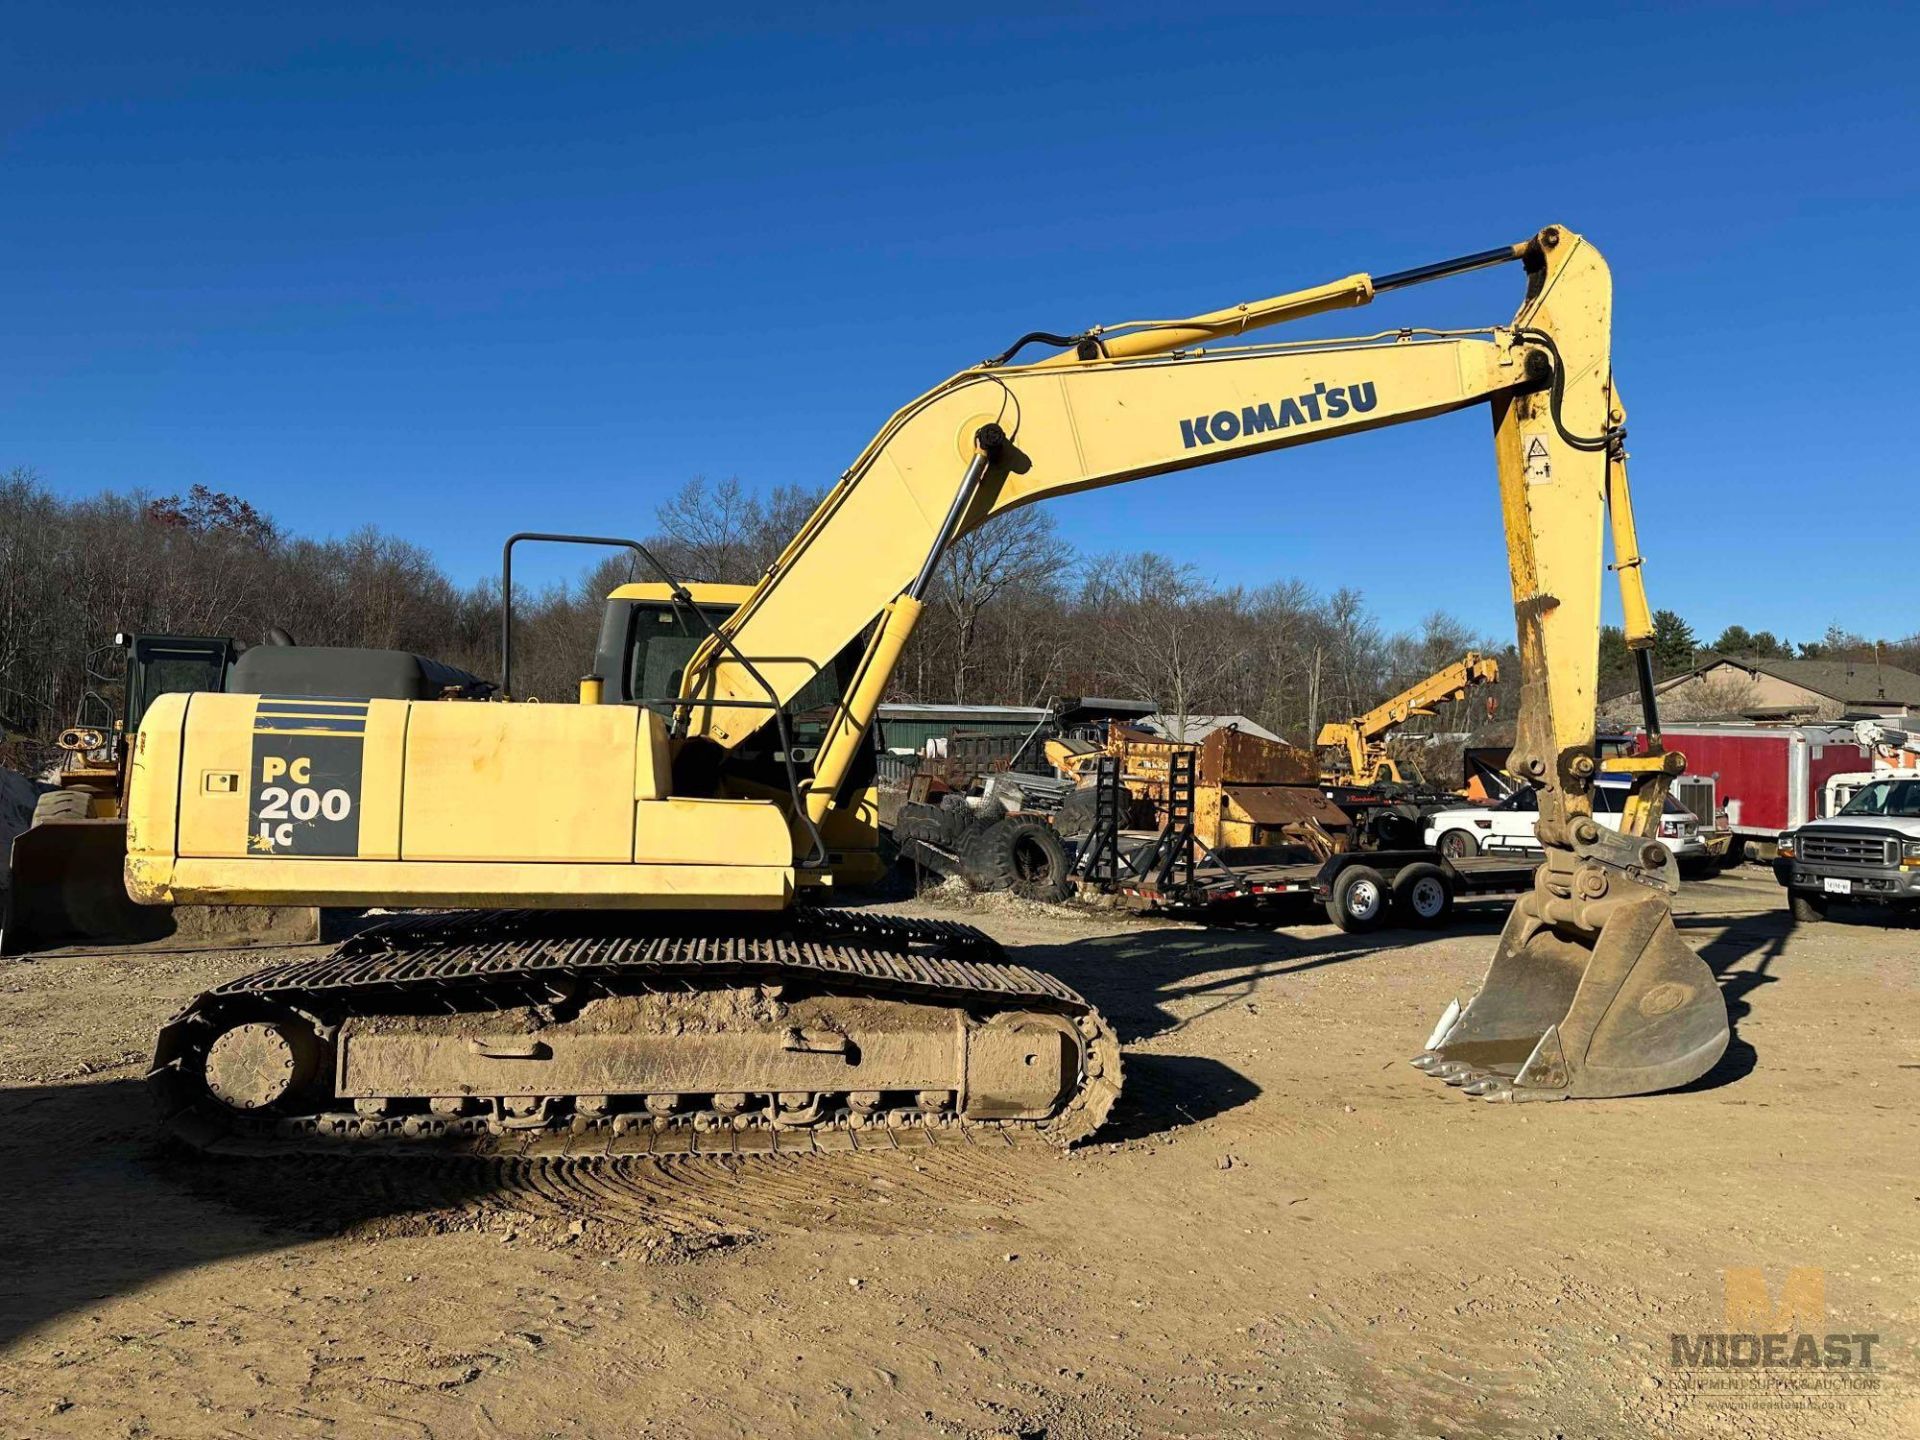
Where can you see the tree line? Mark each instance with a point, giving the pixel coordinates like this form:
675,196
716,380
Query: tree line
1016,616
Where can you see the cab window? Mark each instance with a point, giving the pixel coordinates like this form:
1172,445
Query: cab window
164,666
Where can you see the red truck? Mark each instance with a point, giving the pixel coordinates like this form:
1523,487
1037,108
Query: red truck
1767,778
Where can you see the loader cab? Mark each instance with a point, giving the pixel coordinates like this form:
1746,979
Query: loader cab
170,665
129,674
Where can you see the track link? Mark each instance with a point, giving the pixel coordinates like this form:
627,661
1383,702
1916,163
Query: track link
483,964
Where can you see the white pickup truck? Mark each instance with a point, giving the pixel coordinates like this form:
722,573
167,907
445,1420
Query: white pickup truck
1506,827
1869,851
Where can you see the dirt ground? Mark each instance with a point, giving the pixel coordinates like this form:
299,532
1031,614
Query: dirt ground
1284,1230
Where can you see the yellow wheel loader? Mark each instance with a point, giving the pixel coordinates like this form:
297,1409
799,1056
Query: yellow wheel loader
65,882
618,962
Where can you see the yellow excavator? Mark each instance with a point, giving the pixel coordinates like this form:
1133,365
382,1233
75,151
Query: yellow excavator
1360,743
618,961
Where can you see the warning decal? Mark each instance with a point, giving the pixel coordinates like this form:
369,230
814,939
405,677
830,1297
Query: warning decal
1535,459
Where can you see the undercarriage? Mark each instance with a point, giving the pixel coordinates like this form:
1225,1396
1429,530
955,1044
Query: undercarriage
545,1033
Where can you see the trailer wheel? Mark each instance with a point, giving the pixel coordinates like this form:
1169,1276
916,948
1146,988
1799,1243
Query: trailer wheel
1806,908
1358,901
1458,844
1424,894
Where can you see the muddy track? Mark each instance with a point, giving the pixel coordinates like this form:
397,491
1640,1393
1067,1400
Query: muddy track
480,966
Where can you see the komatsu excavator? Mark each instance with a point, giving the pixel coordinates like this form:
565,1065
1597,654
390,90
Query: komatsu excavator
1359,744
618,962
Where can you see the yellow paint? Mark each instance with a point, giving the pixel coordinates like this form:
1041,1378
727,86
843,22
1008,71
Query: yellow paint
704,592
153,783
163,880
710,832
509,782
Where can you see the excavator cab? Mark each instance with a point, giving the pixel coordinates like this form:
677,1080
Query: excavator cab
649,636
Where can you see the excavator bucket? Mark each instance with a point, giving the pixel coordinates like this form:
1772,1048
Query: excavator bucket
1570,1011
66,889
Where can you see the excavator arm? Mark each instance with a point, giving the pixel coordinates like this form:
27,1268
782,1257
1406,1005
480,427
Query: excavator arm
1591,992
1360,737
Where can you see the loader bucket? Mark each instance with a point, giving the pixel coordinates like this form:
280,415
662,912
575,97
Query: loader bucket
1567,1013
66,889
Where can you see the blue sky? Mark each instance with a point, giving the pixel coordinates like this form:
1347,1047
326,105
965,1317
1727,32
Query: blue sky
465,270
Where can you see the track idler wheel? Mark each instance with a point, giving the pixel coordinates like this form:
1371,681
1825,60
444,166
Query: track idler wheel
260,1063
1617,1005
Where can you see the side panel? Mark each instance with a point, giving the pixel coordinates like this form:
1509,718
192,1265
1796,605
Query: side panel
268,775
518,782
154,781
244,800
1769,780
1826,757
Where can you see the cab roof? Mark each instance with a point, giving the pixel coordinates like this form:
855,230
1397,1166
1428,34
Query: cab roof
704,592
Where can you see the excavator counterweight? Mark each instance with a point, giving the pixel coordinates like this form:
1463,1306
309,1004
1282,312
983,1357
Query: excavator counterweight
662,982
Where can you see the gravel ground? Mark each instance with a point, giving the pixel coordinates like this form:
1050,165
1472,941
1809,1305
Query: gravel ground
1284,1230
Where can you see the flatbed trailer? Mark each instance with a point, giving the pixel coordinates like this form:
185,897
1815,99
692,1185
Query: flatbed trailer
1360,890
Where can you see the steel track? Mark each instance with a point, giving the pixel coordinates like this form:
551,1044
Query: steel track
481,962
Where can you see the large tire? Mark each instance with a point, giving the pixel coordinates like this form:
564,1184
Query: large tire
1423,894
1457,844
1395,827
941,825
1806,908
1358,902
62,805
1023,857
1074,818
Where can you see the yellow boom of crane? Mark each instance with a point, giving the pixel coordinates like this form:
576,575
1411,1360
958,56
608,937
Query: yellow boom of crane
1361,740
653,987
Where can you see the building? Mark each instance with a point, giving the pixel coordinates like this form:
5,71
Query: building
1737,687
906,729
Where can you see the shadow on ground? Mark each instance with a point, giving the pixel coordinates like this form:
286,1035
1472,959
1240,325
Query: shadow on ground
87,1216
1139,978
1741,957
1164,1091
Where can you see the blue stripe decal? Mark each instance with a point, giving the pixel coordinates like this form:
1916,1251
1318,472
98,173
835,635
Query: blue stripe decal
330,725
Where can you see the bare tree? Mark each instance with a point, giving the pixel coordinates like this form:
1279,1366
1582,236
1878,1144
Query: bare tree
1164,633
1021,549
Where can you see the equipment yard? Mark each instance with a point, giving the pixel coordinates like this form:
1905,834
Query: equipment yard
1283,1228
